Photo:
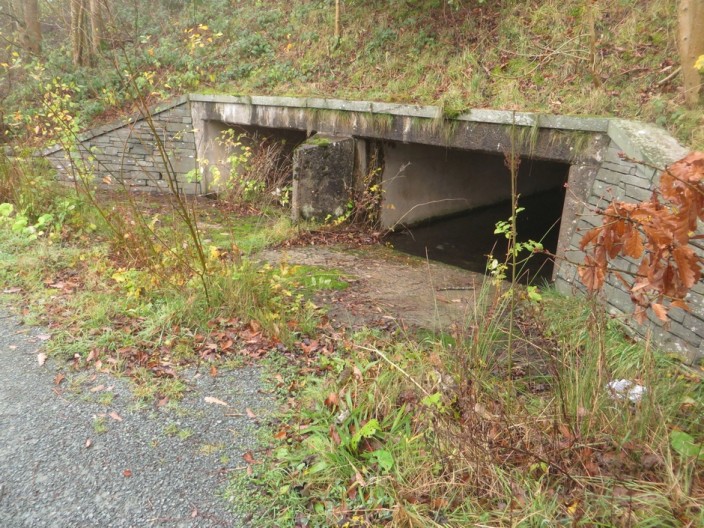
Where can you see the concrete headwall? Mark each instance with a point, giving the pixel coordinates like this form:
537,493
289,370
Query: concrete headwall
432,166
127,153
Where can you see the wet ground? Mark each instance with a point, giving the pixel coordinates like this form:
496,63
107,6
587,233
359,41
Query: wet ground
386,285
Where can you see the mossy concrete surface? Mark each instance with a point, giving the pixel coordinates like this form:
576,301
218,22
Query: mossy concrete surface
323,169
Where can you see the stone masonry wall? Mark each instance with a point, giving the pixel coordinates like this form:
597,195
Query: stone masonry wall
126,152
625,180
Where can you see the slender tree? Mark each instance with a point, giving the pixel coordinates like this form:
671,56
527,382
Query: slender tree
691,45
32,27
86,31
96,26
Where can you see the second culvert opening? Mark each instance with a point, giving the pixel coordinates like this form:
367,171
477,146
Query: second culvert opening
466,238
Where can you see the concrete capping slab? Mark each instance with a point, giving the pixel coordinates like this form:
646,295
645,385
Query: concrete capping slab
497,117
645,142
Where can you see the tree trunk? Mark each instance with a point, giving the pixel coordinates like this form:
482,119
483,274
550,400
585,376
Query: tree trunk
79,33
32,27
690,42
96,26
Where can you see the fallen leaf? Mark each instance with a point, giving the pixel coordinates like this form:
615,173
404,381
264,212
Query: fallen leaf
352,491
12,290
41,358
210,399
213,370
281,434
98,388
59,378
334,435
332,401
250,413
44,337
127,473
249,458
115,416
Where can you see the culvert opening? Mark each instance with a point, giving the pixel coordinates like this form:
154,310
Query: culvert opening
466,238
241,152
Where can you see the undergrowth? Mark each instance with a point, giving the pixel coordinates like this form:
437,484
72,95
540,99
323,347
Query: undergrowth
121,288
406,430
569,57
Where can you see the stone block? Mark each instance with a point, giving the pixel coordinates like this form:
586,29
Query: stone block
636,181
608,176
323,171
620,168
637,193
175,127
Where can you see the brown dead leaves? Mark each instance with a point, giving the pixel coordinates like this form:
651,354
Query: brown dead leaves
233,337
658,233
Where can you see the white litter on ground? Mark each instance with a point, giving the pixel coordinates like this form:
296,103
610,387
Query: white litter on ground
623,388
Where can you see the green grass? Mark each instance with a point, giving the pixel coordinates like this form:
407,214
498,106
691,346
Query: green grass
174,429
249,234
100,425
438,430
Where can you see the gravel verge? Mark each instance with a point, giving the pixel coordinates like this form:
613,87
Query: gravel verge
84,454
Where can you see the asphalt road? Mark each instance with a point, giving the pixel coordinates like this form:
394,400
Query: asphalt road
84,453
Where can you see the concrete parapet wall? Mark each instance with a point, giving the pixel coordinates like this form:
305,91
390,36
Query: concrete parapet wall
127,153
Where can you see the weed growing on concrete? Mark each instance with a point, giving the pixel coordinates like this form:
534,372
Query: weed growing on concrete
254,170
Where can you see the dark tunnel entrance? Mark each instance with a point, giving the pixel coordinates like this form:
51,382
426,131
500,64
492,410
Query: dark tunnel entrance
466,239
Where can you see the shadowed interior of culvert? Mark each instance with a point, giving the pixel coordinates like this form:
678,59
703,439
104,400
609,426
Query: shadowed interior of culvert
467,239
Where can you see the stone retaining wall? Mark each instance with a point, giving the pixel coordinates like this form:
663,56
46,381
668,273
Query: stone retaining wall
126,152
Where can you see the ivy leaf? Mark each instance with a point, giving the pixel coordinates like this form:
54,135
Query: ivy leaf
685,445
6,209
384,459
368,430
